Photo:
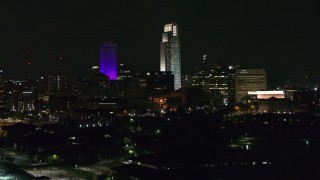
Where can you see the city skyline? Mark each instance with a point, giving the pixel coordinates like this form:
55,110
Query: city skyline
161,89
274,36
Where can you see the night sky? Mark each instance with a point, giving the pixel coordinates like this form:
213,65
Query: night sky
277,35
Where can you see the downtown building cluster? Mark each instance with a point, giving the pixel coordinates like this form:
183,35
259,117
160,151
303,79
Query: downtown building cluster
113,89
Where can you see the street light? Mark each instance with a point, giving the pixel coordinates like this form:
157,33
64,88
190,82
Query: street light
55,157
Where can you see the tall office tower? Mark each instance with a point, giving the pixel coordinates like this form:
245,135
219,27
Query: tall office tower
232,84
249,80
108,60
170,53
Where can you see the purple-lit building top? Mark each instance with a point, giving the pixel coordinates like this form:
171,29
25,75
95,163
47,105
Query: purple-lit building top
108,60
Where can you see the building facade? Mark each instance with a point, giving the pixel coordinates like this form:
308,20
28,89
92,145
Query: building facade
249,80
108,60
157,82
212,78
232,84
170,58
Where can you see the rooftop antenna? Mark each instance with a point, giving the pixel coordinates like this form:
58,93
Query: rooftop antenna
306,79
29,62
204,58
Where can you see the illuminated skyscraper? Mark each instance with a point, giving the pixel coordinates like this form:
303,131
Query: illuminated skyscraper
170,53
108,60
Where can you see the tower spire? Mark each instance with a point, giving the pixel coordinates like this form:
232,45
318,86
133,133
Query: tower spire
204,58
306,79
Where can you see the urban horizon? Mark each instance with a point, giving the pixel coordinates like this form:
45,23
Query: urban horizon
252,35
163,89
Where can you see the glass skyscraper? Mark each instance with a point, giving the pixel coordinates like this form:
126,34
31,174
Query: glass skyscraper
170,53
108,60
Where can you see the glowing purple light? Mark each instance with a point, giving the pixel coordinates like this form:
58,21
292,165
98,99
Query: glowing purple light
108,60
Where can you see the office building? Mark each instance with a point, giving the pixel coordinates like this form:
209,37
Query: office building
56,83
20,96
157,82
96,85
212,78
108,60
249,80
170,53
124,72
232,84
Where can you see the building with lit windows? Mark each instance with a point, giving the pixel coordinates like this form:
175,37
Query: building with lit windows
249,80
272,101
170,53
124,72
20,96
108,60
212,78
56,83
157,82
